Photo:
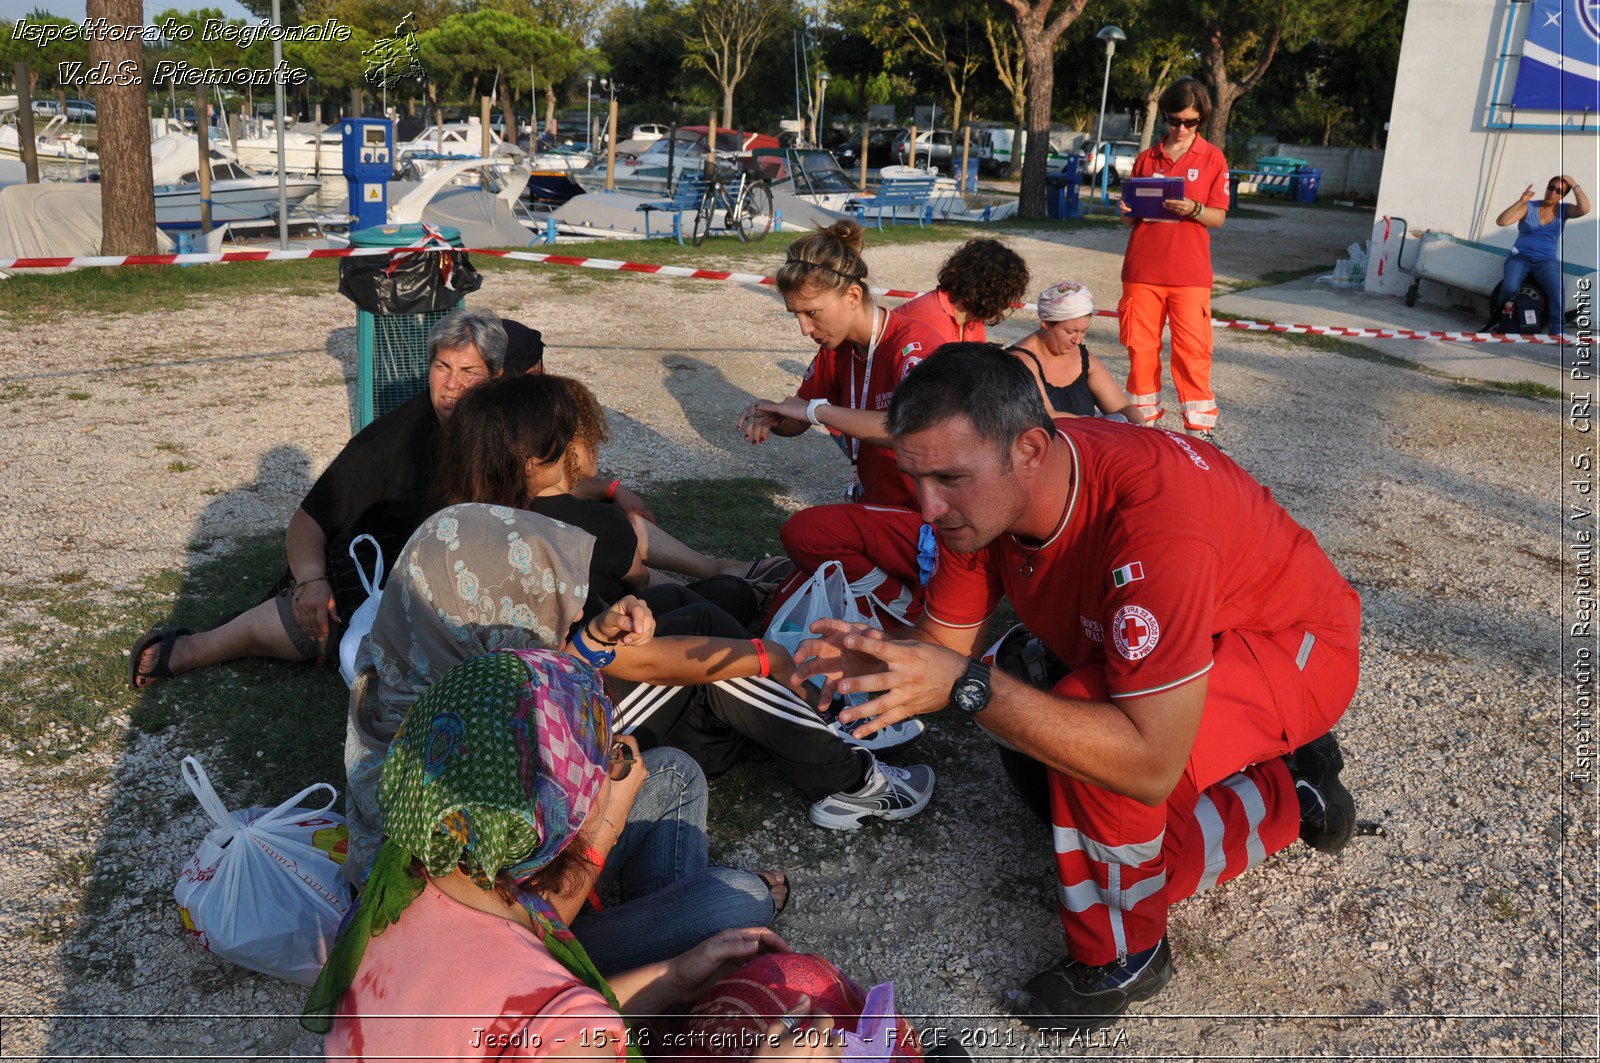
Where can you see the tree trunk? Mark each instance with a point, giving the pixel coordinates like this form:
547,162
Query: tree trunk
1217,129
727,106
1152,111
508,108
433,98
1225,91
1031,202
355,100
127,195
550,109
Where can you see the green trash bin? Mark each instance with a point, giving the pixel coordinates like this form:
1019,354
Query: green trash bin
393,348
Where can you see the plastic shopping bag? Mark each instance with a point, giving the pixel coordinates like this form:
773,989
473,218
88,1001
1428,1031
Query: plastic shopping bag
264,890
826,595
361,620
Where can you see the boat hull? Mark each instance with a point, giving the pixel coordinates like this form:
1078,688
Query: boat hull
178,206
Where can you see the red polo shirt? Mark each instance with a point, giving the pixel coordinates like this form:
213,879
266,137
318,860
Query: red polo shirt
840,375
1166,544
935,310
1177,253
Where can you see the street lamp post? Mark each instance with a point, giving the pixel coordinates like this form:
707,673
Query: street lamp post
1111,35
588,111
822,96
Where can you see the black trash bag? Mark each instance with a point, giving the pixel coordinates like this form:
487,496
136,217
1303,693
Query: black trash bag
416,283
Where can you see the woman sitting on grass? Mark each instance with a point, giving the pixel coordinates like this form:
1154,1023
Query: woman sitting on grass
496,797
702,684
475,579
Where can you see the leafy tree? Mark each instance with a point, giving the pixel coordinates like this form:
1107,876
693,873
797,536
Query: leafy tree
1039,33
944,35
642,46
721,37
1011,68
44,64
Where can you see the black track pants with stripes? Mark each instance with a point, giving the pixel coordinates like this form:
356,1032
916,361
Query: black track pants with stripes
718,723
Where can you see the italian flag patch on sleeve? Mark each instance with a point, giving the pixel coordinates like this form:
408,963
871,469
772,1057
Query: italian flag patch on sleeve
1125,575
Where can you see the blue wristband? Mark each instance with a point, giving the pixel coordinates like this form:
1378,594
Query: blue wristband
597,658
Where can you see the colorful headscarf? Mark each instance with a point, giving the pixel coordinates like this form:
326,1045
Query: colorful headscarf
1066,301
495,768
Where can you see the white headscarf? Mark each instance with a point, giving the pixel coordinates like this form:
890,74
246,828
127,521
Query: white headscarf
1065,302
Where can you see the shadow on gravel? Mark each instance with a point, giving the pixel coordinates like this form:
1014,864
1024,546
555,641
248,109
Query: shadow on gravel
263,730
711,403
341,347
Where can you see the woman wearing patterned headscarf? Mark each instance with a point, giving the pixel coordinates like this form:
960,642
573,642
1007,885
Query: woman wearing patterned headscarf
494,796
475,579
1074,382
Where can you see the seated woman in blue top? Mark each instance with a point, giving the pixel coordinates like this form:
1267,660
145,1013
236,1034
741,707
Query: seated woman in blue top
1537,251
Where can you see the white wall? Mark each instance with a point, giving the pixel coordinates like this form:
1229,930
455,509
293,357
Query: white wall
1345,171
1443,169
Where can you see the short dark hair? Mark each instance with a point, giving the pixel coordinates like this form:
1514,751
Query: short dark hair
496,428
978,381
1183,94
986,277
524,347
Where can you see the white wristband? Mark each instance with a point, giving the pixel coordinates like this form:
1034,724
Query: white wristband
811,410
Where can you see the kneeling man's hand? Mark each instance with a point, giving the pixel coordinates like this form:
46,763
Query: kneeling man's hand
911,677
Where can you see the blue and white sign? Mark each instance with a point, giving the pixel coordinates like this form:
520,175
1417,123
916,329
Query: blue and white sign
1560,69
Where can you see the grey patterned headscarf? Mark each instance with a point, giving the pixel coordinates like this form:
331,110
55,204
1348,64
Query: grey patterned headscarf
473,579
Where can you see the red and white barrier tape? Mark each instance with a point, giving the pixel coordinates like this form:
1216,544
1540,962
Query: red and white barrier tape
692,273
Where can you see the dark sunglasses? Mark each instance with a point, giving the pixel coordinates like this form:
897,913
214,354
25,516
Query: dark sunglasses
1556,188
1187,123
619,762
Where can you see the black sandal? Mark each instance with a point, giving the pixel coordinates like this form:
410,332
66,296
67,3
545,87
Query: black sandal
775,881
163,669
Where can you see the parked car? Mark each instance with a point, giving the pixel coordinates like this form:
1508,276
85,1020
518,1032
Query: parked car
939,149
998,144
649,131
77,110
1122,154
880,149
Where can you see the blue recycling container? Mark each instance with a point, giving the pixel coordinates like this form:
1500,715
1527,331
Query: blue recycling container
1307,180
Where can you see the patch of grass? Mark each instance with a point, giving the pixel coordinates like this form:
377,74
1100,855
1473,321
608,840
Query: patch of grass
135,289
1530,389
1278,276
736,518
78,396
171,448
77,575
180,466
1502,909
12,392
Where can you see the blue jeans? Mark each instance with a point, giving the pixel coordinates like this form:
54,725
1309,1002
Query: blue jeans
1547,275
671,901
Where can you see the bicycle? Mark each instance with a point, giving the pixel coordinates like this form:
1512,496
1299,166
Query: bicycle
746,203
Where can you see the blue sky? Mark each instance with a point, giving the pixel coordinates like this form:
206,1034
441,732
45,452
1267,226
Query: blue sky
73,9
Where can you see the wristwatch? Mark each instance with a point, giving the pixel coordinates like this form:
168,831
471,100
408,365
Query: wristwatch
971,692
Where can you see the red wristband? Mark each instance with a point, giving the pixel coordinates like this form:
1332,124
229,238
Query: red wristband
611,490
761,655
594,856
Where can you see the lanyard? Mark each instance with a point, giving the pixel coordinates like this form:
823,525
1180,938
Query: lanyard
880,325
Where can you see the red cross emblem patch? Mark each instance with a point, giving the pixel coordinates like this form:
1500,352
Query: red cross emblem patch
1134,631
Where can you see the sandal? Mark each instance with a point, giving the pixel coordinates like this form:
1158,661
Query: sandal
768,573
163,669
776,881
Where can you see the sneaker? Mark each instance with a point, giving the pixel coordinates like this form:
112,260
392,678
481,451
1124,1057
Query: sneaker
889,793
1075,996
1327,811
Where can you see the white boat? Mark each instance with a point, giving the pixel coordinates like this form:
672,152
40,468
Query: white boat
53,143
302,152
237,192
453,141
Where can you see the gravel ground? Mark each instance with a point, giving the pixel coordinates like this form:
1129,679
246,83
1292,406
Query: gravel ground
1466,928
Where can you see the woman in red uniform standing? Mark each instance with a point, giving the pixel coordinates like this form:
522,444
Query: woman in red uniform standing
1166,274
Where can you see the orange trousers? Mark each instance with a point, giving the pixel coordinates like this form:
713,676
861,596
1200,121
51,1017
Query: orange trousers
1145,310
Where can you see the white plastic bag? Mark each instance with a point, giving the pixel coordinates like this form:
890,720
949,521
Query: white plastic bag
360,624
264,889
826,595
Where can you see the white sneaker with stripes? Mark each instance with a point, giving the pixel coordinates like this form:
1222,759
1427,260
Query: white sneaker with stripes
896,734
889,793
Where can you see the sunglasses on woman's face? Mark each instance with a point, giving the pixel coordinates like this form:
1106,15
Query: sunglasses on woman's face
1188,123
619,762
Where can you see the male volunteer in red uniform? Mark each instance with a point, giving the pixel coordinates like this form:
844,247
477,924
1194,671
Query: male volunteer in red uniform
1211,644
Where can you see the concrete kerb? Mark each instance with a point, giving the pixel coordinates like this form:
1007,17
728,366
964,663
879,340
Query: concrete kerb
1305,302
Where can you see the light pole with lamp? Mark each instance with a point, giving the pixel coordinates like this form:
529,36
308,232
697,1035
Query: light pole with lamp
588,111
1111,35
822,96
